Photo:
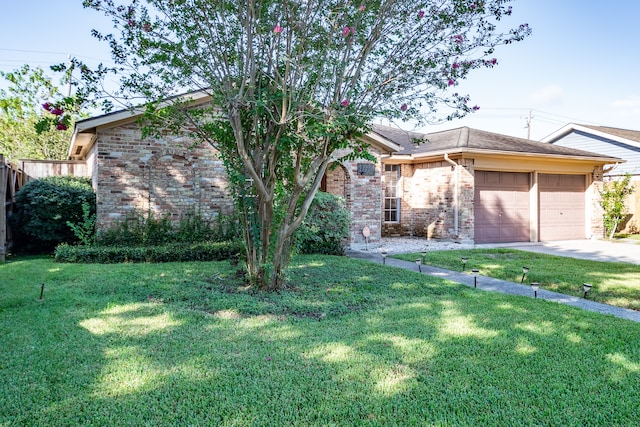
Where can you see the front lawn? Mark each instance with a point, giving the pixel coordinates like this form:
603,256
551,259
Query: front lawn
351,343
634,237
613,283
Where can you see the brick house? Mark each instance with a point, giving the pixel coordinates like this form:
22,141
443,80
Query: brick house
170,176
485,187
463,183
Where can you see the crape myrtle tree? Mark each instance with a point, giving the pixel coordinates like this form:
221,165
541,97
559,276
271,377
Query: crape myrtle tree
293,85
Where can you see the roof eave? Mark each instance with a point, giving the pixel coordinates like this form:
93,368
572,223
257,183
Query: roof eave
381,142
91,125
466,151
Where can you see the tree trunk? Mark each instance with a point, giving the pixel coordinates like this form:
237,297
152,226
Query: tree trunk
613,229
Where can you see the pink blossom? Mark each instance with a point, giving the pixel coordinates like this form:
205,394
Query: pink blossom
345,31
47,106
458,38
268,358
455,66
509,10
404,107
57,111
361,8
421,14
475,108
61,126
277,29
147,27
345,102
451,82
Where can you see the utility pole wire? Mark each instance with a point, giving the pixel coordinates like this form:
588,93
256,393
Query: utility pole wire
70,75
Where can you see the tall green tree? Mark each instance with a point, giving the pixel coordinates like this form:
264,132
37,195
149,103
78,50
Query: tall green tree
612,200
293,84
32,124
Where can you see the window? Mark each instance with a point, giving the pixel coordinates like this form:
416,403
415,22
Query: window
391,200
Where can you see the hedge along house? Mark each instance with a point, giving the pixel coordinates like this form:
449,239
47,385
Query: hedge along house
485,187
172,177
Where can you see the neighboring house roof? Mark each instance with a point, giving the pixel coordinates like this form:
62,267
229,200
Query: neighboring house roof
630,137
622,143
466,140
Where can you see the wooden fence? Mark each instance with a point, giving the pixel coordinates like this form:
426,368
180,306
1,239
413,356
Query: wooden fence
632,225
11,180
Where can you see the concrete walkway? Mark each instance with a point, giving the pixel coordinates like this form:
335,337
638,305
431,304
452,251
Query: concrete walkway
595,250
490,284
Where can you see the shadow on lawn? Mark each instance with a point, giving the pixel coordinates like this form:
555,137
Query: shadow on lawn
417,351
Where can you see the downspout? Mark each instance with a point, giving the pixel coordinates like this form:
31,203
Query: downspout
456,192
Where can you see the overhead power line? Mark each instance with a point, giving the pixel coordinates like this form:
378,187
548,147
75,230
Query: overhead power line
45,52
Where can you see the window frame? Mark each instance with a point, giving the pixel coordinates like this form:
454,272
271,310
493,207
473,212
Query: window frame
390,197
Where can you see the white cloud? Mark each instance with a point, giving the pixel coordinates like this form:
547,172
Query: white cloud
549,95
631,102
628,107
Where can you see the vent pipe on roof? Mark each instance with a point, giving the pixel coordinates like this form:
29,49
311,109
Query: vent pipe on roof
456,191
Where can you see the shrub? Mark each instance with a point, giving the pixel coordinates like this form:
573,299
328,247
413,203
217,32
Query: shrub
173,252
326,227
147,230
43,208
612,201
85,231
193,227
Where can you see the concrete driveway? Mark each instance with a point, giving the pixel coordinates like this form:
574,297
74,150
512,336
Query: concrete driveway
598,250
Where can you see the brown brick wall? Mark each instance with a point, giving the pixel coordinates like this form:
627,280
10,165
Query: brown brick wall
427,201
154,175
171,177
365,203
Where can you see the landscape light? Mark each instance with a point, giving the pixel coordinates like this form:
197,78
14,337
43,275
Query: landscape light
586,287
424,256
384,257
464,260
419,262
525,270
535,286
475,272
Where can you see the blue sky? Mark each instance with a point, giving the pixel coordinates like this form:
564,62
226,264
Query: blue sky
580,65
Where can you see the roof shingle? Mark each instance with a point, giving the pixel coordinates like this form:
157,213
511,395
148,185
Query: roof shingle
468,139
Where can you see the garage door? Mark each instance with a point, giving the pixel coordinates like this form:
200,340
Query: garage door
501,207
562,214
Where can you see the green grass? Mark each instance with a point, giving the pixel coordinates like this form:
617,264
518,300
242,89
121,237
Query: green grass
350,344
635,237
616,284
